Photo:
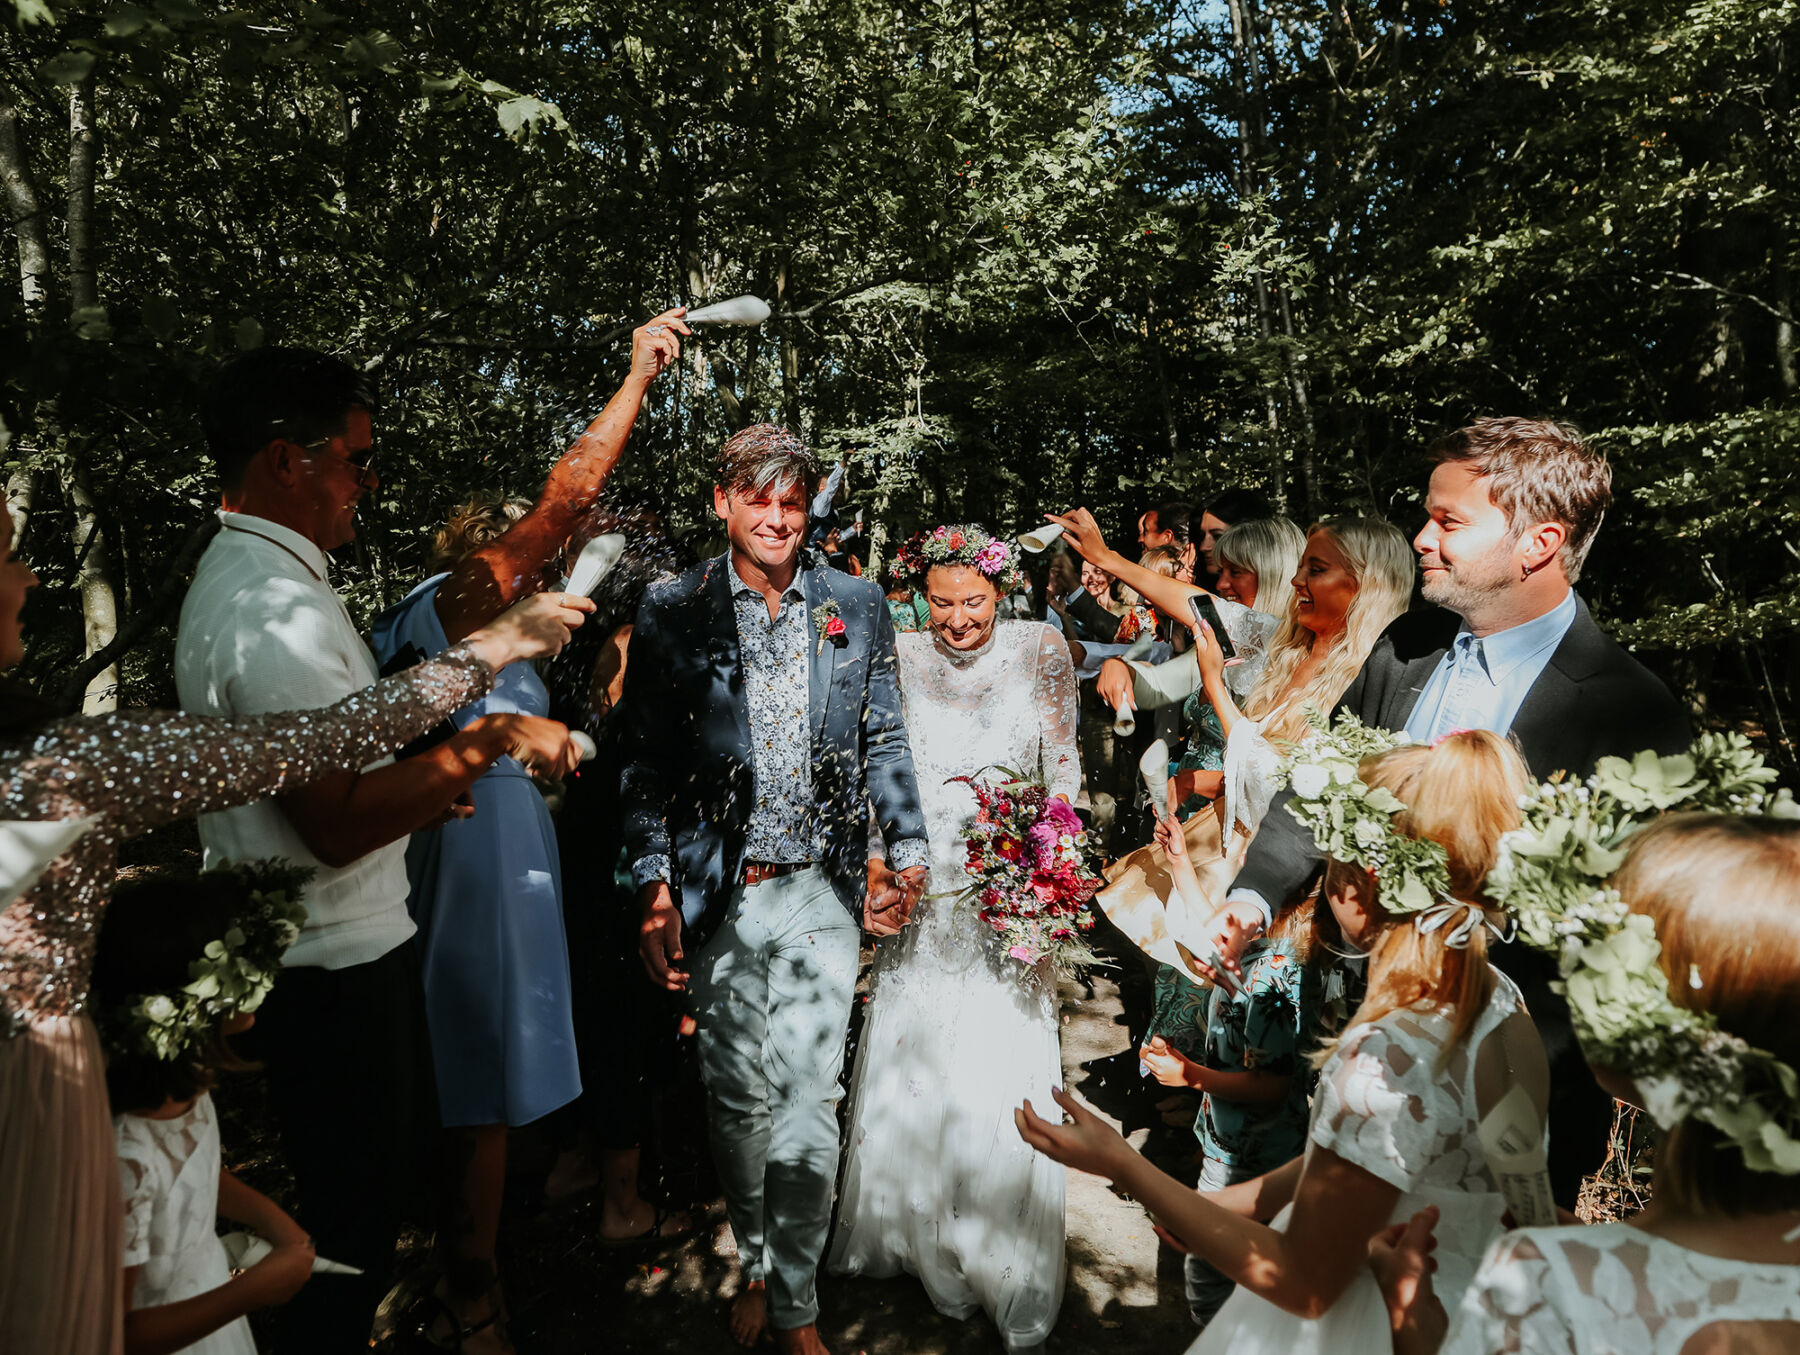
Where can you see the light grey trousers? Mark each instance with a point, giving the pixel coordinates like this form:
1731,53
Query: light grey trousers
773,989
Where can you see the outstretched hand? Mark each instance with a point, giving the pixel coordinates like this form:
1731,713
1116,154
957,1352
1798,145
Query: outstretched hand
1082,533
1227,932
654,345
1171,839
1083,1141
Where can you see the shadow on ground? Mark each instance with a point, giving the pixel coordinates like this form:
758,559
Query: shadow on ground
570,1293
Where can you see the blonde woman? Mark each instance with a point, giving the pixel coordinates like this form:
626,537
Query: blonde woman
1354,577
1257,561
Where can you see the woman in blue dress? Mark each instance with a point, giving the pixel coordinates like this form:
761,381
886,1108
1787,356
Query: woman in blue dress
486,886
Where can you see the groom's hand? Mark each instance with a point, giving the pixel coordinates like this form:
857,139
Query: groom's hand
882,912
659,938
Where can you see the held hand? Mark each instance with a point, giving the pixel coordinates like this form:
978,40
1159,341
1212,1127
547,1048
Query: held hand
546,748
655,347
1086,1142
1230,929
533,628
1171,839
659,938
1114,684
1082,533
278,1276
912,887
883,904
1166,1065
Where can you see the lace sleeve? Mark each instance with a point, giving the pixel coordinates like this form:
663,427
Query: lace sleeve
144,770
1251,634
1377,1099
1507,1306
1058,704
137,1183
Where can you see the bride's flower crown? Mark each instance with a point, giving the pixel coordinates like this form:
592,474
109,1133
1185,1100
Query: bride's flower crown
962,544
233,975
1551,878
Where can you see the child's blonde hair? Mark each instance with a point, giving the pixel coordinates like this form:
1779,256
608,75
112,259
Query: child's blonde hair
1724,893
1461,792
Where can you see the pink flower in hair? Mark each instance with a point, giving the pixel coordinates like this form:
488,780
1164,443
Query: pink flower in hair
992,557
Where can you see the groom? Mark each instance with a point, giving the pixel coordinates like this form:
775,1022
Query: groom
764,719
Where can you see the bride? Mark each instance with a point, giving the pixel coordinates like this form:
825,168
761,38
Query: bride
936,1180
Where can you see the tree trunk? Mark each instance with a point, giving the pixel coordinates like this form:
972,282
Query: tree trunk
21,487
99,601
84,147
94,573
27,216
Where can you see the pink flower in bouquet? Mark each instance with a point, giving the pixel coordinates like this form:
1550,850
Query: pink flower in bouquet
1058,812
1043,837
1023,954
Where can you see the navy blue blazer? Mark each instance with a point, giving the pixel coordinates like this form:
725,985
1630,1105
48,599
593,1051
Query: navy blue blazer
688,782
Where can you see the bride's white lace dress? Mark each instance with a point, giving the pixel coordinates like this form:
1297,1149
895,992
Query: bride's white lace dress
937,1182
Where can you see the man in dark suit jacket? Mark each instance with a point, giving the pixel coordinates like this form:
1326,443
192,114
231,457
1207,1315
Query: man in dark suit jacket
763,712
1514,505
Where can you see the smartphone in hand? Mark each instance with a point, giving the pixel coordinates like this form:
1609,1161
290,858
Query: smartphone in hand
1202,606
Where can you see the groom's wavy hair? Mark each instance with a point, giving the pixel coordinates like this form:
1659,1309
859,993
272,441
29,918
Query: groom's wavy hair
766,458
1536,471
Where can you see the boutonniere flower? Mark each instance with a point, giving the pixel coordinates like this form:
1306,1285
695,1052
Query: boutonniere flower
829,625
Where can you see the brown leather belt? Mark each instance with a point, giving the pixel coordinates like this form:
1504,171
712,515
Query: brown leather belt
755,872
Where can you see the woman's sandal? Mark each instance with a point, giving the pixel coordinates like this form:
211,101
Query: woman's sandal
422,1338
659,1215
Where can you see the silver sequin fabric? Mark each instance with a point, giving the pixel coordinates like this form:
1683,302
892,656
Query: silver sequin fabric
139,771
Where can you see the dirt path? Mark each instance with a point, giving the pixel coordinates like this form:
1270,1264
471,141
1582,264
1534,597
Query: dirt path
1124,1292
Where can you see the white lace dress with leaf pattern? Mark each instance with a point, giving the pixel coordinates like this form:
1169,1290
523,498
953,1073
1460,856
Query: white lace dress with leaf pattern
937,1182
1384,1104
1611,1289
169,1174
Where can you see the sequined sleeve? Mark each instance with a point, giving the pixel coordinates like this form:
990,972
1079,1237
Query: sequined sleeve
1058,704
142,770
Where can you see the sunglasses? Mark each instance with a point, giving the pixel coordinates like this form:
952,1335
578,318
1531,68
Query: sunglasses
361,461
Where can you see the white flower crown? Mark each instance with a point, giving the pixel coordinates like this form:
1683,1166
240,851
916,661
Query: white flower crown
233,974
1551,878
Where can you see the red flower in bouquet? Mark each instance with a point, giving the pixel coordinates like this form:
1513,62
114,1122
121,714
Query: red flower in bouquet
1028,871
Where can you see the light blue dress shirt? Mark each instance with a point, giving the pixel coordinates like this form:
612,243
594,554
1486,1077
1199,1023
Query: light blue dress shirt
1480,683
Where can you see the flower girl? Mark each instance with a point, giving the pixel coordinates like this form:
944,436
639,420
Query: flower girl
181,965
1441,1036
1683,974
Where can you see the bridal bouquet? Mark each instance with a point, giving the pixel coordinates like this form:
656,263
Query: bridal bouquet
1029,878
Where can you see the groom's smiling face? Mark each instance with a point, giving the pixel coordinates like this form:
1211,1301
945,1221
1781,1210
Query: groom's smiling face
765,525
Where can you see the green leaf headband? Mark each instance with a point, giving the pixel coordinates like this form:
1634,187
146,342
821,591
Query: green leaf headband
1354,822
233,975
1552,876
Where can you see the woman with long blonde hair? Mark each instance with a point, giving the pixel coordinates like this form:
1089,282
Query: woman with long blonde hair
1441,1039
1354,577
